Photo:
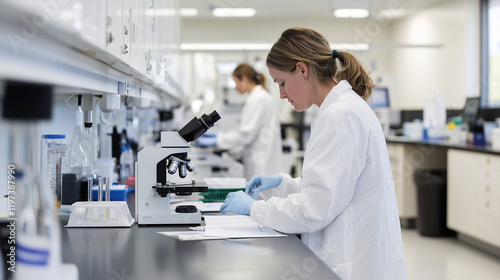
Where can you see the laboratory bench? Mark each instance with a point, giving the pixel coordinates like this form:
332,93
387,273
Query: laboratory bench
442,144
140,252
472,186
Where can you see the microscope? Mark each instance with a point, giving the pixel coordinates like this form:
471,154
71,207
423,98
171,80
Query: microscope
159,173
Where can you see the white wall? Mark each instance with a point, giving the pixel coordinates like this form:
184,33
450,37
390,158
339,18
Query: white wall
453,68
413,73
268,31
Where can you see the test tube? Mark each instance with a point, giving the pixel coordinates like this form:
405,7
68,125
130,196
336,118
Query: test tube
107,194
90,183
107,189
100,182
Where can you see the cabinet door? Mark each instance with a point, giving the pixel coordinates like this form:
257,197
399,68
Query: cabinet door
488,220
405,158
488,198
461,212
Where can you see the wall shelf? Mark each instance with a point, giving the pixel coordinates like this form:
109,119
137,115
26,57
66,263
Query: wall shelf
35,47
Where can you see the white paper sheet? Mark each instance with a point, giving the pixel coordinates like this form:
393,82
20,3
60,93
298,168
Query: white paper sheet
210,207
189,235
225,227
237,226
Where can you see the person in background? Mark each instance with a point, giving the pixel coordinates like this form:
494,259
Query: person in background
259,133
344,204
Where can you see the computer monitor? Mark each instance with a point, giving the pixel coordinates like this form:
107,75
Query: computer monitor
380,97
471,110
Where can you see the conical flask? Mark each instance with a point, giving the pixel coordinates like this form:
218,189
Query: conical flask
79,159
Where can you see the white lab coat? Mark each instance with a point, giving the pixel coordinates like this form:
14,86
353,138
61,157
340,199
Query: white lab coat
258,135
345,203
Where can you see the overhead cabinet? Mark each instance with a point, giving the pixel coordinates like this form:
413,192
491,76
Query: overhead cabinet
126,47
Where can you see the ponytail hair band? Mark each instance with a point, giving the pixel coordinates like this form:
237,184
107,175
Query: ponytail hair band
335,54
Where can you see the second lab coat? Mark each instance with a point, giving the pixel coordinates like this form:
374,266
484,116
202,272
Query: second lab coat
258,136
345,203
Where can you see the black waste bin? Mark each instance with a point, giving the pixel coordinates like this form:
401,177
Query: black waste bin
431,202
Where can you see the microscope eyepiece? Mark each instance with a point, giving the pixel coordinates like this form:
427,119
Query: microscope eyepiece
210,119
197,126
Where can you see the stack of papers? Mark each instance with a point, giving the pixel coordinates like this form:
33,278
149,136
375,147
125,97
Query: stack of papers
224,227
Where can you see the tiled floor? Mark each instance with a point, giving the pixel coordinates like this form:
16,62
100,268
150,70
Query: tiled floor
446,258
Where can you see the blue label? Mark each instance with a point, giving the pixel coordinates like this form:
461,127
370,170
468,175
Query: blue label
32,256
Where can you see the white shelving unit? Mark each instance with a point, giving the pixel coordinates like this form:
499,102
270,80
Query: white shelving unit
125,47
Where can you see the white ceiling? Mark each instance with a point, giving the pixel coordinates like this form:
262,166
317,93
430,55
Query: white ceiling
307,8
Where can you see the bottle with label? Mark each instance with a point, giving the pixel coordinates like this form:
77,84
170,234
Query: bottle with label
38,236
53,151
435,118
126,162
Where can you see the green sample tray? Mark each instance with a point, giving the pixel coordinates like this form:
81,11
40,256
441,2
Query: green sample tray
215,195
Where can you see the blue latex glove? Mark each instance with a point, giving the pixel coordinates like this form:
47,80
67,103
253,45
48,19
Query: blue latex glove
260,183
206,141
238,203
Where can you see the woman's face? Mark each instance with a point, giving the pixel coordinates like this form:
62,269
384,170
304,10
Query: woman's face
293,86
241,84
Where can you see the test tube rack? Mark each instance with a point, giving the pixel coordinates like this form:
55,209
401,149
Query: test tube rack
100,214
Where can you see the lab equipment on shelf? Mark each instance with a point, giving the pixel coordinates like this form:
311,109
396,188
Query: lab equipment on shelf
435,118
78,174
160,171
457,131
126,162
53,151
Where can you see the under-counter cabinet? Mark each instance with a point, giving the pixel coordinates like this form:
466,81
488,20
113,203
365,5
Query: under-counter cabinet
405,158
474,195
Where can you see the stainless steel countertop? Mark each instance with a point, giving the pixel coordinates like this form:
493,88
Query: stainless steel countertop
140,252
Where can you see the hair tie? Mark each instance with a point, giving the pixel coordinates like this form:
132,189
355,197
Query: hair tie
334,53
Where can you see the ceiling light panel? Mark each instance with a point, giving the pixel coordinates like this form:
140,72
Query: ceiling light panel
188,12
233,12
351,13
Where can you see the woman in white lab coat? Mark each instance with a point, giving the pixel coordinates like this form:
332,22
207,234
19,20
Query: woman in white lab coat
344,205
258,135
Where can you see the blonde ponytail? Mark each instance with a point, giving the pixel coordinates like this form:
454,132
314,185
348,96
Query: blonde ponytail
353,71
310,47
248,71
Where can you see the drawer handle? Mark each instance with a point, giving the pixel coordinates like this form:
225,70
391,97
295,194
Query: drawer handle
488,160
487,205
488,189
